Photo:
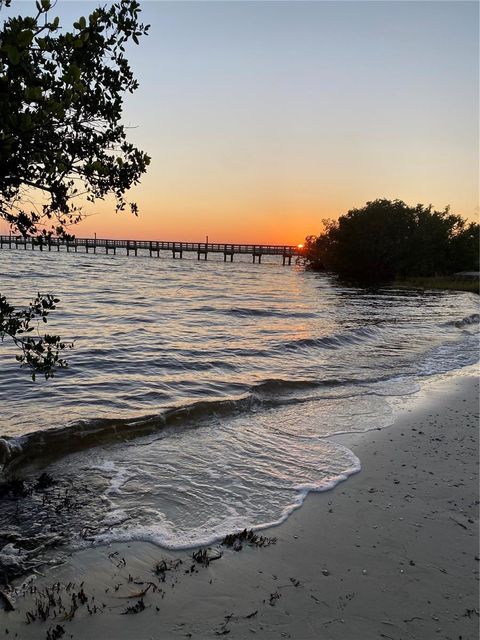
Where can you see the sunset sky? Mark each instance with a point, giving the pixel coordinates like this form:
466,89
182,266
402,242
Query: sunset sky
263,118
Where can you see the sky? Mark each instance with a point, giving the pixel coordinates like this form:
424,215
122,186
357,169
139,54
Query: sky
263,118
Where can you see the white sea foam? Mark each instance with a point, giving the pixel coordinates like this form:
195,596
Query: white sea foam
173,536
251,470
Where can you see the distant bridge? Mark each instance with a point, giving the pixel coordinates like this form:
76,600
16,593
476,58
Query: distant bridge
154,247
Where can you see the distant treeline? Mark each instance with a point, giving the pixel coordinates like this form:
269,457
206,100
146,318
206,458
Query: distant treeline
387,239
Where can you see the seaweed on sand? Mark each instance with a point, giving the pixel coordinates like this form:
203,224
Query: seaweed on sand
54,633
205,555
247,536
166,565
135,608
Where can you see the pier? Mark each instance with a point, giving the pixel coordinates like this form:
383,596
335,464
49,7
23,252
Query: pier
153,247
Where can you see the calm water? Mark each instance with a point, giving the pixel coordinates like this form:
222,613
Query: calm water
199,396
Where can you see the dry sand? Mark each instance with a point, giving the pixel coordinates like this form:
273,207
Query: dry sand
392,553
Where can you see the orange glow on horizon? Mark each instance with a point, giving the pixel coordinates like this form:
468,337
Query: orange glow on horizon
237,221
245,222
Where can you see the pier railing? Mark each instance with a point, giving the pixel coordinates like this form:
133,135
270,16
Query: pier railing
154,247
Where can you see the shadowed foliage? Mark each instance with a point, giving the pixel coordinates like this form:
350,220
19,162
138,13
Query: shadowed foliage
388,239
62,143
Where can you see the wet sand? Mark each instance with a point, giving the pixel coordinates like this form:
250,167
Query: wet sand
391,553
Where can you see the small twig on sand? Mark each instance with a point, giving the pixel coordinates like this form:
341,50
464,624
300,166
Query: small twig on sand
327,622
460,524
389,622
140,594
224,630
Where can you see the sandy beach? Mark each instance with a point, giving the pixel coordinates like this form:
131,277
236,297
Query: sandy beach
391,553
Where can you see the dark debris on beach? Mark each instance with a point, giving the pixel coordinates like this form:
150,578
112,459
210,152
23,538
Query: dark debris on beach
206,555
162,567
58,604
247,536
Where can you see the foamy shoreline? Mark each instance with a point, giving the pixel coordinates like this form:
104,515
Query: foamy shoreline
392,551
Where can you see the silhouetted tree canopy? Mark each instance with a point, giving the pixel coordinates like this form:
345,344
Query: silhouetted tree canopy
62,142
386,239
